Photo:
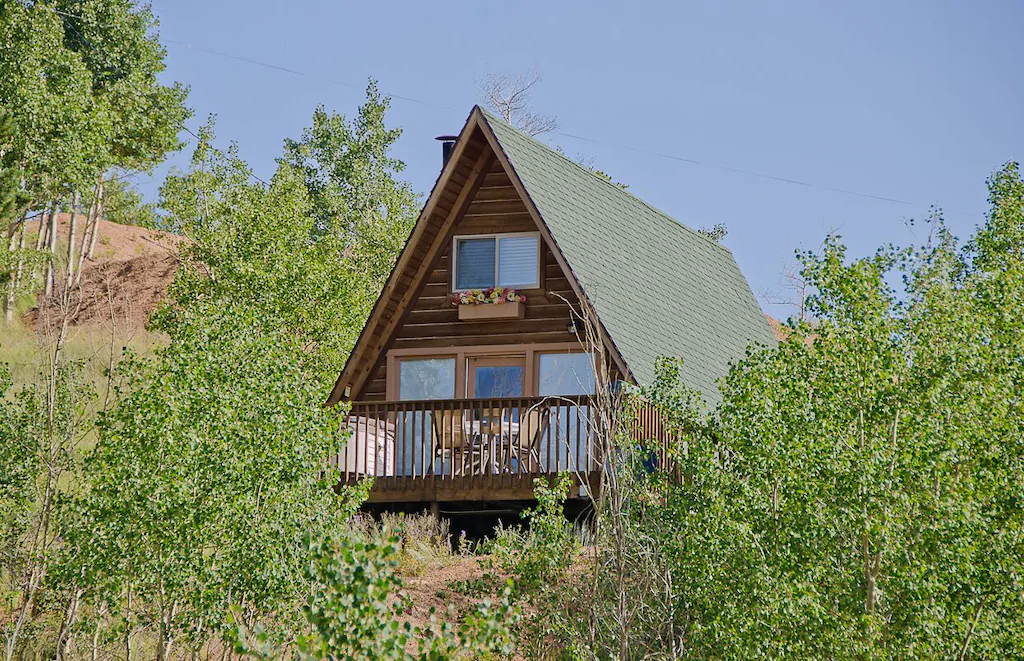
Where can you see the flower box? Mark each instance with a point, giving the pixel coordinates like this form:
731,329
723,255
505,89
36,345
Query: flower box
491,303
470,311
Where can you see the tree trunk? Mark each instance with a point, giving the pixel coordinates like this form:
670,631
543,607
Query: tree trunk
89,234
70,616
96,633
12,287
70,279
12,237
26,606
44,221
51,246
97,219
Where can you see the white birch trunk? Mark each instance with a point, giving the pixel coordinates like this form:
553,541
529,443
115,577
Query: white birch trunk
12,287
89,231
44,224
51,246
70,279
97,219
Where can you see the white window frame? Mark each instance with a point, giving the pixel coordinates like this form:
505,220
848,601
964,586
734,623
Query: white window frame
497,236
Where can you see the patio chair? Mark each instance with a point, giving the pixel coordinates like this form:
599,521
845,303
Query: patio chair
451,442
532,427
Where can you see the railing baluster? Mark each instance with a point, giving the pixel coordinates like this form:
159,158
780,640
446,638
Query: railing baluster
423,439
485,461
485,465
417,439
428,437
499,430
497,442
390,445
568,428
486,418
435,443
591,436
388,436
453,419
371,430
503,440
437,420
505,445
576,439
553,442
461,420
380,441
379,438
400,444
476,441
414,443
553,467
516,439
365,442
391,439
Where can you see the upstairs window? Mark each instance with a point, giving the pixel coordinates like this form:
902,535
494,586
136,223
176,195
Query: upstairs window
499,260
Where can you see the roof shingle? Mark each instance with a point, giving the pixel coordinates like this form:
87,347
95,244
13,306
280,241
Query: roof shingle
659,287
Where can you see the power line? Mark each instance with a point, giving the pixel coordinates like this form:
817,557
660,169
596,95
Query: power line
296,72
431,104
751,173
639,150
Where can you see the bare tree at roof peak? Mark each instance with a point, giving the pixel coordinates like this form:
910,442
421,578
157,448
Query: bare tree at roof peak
509,96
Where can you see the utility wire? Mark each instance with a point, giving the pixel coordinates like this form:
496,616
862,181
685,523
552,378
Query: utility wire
431,104
751,173
296,72
639,150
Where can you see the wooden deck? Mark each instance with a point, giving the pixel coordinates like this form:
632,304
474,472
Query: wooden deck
469,449
483,449
484,488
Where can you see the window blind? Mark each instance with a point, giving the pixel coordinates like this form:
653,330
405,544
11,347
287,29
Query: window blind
474,263
517,261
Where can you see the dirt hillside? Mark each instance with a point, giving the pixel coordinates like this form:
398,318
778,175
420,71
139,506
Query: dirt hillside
127,279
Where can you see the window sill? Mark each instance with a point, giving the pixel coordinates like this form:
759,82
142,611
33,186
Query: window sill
478,311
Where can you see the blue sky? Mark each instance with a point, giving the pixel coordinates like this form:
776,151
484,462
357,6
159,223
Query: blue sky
914,100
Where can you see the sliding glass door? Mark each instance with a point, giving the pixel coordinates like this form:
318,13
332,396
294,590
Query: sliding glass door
419,379
566,375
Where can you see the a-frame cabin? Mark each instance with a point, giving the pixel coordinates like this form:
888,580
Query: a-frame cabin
457,399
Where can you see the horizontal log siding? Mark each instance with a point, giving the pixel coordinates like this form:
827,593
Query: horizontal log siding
432,321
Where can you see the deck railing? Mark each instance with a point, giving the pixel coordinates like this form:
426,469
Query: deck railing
482,449
446,439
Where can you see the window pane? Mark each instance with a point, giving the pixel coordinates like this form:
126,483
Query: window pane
426,378
499,381
475,263
517,261
566,374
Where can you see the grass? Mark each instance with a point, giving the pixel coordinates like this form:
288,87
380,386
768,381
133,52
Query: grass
28,353
425,541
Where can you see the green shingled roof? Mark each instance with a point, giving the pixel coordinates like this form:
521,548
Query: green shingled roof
659,287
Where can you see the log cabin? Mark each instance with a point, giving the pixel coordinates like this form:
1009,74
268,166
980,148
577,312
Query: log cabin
470,379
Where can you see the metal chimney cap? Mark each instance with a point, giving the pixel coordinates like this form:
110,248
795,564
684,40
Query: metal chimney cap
447,138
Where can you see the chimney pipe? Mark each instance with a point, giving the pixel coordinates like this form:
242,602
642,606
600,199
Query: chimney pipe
447,147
